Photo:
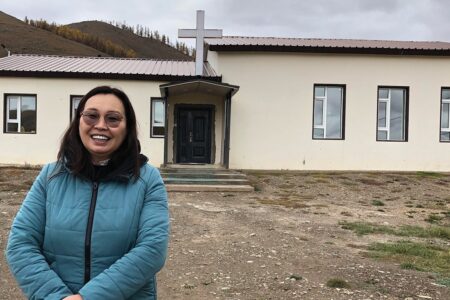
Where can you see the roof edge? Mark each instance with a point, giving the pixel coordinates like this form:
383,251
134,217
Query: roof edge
333,50
115,76
99,57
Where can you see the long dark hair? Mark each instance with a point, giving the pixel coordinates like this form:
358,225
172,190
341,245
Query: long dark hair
75,156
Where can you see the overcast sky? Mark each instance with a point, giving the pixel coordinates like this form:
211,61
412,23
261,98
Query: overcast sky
353,19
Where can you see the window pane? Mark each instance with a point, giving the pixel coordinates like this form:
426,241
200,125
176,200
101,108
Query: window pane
75,103
333,119
444,115
383,93
12,127
28,117
318,133
158,131
397,114
446,94
445,136
382,135
318,112
13,102
382,114
158,112
319,91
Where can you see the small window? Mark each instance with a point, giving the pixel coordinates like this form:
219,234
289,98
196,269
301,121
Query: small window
445,115
74,101
392,114
20,111
158,117
328,117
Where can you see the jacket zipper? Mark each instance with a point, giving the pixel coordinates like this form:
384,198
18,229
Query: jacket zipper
87,241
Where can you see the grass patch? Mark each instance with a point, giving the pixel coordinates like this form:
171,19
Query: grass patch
286,202
370,181
287,186
423,257
322,180
377,203
429,174
338,283
362,228
349,183
444,281
434,218
410,266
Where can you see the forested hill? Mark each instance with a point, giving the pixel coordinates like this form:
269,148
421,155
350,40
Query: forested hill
152,46
89,38
19,37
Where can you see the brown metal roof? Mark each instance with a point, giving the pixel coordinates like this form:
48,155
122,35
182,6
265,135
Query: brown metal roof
235,43
102,67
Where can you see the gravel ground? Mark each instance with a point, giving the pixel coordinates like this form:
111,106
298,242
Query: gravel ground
282,241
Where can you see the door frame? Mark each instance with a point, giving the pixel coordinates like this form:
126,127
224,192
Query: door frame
211,109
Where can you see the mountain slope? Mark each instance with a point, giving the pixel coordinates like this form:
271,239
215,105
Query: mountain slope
144,47
22,38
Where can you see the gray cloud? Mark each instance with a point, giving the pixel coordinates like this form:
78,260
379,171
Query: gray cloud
366,19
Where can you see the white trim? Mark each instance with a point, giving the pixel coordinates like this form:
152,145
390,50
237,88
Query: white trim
324,100
388,101
73,100
153,124
444,129
387,113
17,120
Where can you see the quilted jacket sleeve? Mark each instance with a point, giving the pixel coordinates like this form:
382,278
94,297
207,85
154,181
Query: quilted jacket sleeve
23,251
131,272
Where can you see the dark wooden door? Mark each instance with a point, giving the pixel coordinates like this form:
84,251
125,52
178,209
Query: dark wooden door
194,135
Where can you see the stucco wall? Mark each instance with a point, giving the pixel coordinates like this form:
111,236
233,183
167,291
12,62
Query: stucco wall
271,120
53,116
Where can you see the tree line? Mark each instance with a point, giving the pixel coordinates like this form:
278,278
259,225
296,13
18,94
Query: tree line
145,32
77,35
105,45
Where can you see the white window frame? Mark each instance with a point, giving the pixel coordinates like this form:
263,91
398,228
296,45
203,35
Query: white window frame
444,101
153,124
324,100
18,114
73,109
18,119
387,100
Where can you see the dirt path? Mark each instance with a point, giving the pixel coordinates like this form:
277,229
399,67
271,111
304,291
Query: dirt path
244,246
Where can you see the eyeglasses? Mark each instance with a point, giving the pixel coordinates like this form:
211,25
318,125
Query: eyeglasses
91,118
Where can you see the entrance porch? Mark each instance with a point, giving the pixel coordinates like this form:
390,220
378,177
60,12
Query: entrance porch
197,122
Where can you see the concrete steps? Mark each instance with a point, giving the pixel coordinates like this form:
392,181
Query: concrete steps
204,178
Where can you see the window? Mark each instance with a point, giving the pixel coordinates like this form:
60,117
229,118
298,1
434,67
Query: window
329,112
158,117
445,115
392,114
20,113
74,101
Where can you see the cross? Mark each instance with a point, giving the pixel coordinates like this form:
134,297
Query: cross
200,33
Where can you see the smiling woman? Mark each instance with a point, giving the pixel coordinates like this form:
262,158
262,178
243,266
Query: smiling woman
102,126
95,224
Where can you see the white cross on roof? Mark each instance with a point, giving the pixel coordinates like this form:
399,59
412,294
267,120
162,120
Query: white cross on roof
200,33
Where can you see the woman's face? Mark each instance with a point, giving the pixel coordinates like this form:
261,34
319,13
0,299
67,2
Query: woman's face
102,126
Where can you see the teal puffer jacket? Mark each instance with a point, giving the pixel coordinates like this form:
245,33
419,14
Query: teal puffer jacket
103,240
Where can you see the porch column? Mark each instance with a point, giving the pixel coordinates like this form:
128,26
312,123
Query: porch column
166,126
226,152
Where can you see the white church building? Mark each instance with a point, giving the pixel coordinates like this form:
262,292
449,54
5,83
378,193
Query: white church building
251,103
